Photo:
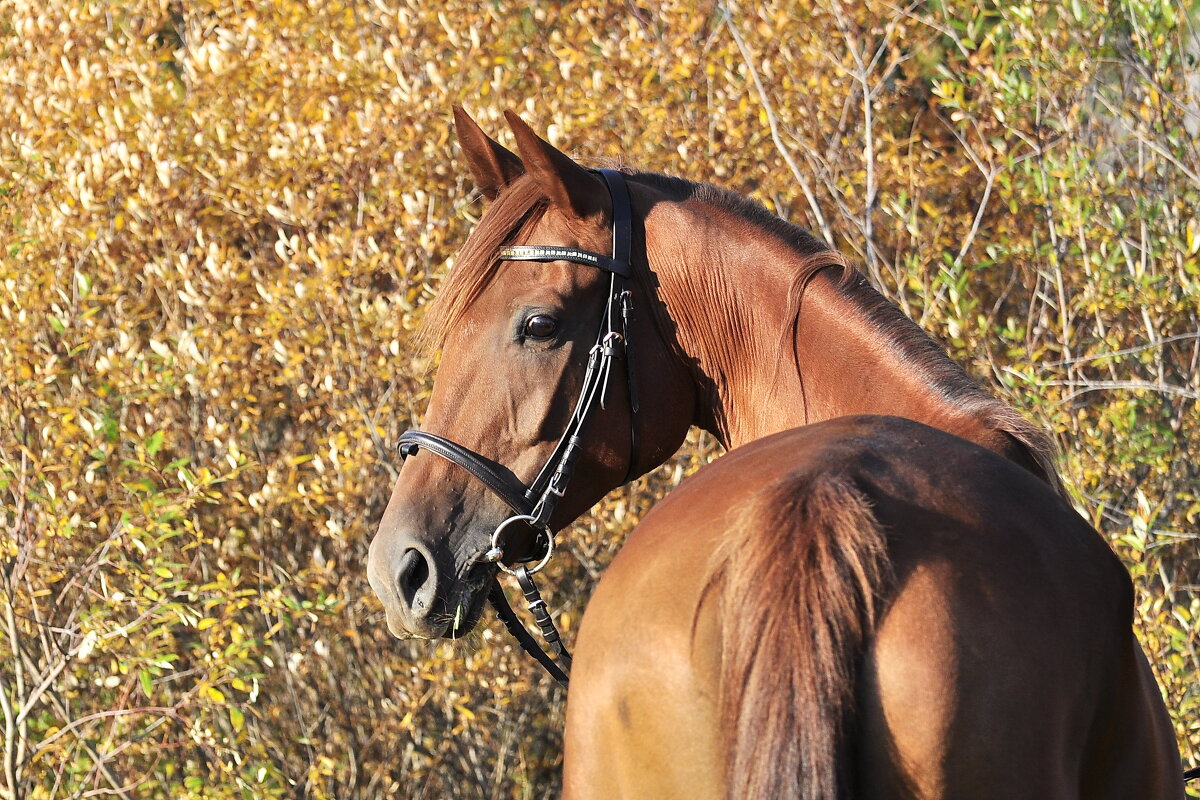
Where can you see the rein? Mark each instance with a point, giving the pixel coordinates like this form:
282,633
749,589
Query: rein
534,504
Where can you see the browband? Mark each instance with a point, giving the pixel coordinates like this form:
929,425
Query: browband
539,252
617,263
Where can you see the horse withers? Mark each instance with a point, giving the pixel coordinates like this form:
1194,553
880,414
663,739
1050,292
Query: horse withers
919,633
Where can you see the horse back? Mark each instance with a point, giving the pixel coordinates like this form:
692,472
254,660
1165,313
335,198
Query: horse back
864,607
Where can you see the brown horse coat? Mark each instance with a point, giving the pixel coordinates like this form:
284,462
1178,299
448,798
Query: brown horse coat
966,631
868,607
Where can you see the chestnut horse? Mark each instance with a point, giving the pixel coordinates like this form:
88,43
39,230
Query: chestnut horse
879,592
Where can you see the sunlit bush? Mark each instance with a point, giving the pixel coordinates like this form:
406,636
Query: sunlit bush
220,224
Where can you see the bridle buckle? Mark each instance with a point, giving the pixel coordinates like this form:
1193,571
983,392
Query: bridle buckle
608,345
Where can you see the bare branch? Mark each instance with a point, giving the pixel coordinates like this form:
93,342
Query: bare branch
1147,142
1083,387
10,739
1127,351
773,123
169,711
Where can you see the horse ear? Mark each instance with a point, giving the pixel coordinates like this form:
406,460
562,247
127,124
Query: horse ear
564,182
491,164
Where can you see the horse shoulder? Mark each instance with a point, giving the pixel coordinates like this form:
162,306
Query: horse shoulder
642,707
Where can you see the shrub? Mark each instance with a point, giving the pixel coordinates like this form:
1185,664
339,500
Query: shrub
221,222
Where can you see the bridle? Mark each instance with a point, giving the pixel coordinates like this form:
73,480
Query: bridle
534,504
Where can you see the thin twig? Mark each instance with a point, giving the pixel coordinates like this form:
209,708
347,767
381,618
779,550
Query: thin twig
1128,350
989,181
1149,143
773,123
11,721
1083,387
381,449
10,738
169,711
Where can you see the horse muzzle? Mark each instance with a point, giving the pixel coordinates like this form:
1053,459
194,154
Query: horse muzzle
405,578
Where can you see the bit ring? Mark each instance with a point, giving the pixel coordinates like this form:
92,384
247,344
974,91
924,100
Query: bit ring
497,552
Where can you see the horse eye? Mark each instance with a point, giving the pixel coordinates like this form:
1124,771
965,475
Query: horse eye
540,326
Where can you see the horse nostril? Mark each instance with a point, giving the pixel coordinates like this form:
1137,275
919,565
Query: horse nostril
414,581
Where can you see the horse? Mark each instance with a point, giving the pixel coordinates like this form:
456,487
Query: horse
879,590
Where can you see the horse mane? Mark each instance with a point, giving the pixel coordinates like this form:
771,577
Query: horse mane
956,387
522,203
748,209
913,345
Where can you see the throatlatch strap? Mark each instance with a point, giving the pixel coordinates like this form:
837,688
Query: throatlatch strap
622,212
622,253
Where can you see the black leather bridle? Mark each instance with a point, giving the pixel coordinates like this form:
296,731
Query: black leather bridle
534,504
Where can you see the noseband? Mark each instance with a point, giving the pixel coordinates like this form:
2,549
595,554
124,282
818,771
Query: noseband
534,504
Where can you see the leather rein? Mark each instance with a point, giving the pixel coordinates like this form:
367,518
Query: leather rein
534,504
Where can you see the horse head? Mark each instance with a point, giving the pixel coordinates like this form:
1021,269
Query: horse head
533,333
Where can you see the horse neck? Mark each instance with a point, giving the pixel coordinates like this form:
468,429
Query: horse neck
764,366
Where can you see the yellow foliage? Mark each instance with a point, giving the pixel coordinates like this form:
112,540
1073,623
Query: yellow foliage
220,222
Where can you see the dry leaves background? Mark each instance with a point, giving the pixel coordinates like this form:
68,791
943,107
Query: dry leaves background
221,220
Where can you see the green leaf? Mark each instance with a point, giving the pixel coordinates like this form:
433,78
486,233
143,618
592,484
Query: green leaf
154,443
147,682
